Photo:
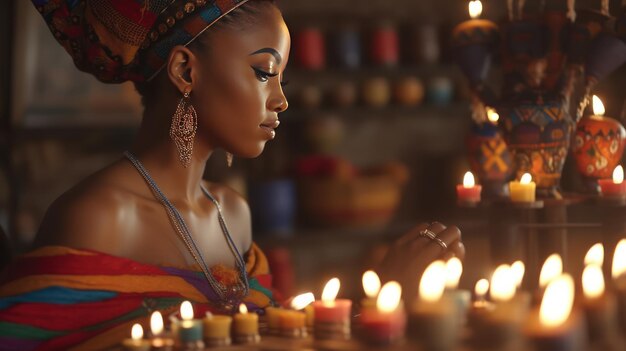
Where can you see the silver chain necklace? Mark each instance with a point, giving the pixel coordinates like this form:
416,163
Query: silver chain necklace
230,296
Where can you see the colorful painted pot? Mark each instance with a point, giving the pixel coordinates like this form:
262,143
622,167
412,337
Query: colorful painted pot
598,147
489,159
310,48
537,128
384,45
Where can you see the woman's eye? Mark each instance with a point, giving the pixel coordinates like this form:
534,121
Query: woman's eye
262,75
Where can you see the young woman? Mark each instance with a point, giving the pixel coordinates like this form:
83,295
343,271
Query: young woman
147,232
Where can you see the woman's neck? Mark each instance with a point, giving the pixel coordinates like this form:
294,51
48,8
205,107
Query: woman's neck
159,155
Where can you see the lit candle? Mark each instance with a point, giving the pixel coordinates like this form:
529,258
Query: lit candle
292,323
614,187
551,269
600,307
136,341
189,330
217,330
386,323
505,321
432,321
246,326
473,42
478,314
159,341
523,190
618,272
468,192
522,298
557,326
461,298
595,255
371,287
492,116
332,315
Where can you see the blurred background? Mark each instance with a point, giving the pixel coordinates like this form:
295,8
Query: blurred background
373,141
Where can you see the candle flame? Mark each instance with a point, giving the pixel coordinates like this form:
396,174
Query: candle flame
243,309
593,281
389,298
518,269
503,284
156,323
468,180
475,8
618,174
331,289
454,270
136,333
481,288
433,282
526,178
208,315
492,115
301,301
186,311
371,284
552,268
557,301
595,255
619,260
598,106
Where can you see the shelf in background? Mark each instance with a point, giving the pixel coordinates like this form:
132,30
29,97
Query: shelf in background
458,109
427,70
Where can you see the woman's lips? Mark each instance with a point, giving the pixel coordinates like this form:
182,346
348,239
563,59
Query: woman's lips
269,127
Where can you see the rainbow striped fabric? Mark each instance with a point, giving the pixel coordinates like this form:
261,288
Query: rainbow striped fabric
62,298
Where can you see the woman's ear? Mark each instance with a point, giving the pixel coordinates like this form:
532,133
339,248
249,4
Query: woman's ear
179,67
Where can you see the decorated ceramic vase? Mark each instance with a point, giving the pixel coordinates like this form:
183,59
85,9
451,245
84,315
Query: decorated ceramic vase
537,128
598,148
489,159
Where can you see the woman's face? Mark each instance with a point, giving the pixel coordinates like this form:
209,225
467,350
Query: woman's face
238,94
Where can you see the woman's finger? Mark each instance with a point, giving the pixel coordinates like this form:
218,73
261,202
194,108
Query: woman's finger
436,227
411,235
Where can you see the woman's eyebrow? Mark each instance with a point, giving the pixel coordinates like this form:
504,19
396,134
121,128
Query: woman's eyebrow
270,51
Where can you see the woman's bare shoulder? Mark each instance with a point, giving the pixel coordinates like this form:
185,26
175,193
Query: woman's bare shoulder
91,214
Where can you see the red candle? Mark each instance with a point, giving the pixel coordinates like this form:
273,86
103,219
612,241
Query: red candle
468,192
615,186
332,316
386,323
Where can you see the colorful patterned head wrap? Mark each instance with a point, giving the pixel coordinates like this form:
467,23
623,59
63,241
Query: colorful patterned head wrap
120,40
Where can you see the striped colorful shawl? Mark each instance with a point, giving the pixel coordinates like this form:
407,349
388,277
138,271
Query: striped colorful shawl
61,298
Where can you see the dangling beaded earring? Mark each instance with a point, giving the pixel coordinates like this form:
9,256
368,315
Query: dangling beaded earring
183,128
229,159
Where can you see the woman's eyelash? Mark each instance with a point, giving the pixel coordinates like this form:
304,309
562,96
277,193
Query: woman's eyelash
262,75
284,83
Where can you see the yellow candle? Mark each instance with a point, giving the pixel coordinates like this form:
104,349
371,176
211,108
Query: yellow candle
289,320
136,342
523,190
159,341
245,325
309,311
273,318
217,326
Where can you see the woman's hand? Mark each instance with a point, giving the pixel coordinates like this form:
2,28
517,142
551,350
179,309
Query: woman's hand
408,257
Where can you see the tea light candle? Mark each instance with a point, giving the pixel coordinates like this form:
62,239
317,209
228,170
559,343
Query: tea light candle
432,322
600,307
189,329
246,326
292,323
217,330
461,298
136,342
332,316
371,286
468,192
524,190
595,255
159,341
556,326
618,272
273,319
386,323
613,187
505,321
478,313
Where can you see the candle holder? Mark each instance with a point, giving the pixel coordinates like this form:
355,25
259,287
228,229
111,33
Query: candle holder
247,339
211,342
332,330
